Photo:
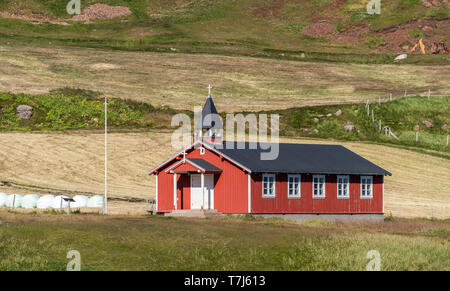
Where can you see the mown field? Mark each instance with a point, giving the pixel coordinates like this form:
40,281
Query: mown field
72,162
240,83
42,241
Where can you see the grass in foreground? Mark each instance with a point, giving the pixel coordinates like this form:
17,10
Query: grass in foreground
41,242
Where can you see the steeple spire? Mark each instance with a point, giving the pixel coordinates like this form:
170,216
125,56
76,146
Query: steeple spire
210,121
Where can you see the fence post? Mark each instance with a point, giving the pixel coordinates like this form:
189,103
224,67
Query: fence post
14,201
379,100
379,125
373,118
390,96
417,136
447,141
429,93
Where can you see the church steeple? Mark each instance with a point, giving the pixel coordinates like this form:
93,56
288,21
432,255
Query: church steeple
209,127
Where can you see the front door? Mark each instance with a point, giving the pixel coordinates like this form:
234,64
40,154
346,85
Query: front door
202,197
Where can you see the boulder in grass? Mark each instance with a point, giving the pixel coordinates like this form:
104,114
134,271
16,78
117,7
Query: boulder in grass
338,113
24,111
349,127
316,119
400,57
444,127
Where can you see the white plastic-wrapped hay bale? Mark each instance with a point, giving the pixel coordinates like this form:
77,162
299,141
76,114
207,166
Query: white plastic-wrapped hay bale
15,199
58,202
30,201
45,201
80,201
95,201
3,198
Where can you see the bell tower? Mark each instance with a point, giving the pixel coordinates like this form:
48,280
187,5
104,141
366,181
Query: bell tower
209,127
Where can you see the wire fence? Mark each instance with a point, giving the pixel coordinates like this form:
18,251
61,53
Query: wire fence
385,128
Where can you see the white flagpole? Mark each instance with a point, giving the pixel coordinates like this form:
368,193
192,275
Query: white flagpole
105,204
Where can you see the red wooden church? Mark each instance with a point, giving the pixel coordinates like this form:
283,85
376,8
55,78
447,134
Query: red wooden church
306,180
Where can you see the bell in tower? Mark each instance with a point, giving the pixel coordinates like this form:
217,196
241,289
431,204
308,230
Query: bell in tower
209,126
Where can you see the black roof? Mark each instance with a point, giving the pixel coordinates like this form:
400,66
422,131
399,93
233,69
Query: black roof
208,167
209,116
302,158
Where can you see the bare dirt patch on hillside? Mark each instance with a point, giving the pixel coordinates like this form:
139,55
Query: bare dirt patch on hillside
102,11
397,38
96,11
322,29
33,18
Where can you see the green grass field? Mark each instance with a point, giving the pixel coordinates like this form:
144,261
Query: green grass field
41,242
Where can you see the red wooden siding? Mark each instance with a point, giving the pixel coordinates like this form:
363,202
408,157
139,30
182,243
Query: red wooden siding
230,186
306,204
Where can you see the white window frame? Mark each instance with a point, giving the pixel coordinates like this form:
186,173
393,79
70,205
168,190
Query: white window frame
271,195
299,188
365,186
324,186
202,150
345,195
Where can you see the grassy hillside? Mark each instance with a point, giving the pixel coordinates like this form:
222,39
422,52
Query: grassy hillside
265,28
401,115
78,109
41,242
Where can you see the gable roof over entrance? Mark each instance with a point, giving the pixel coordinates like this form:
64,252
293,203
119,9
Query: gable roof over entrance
193,165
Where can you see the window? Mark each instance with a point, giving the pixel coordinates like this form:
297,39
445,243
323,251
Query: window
294,186
202,150
343,187
318,186
366,187
268,185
